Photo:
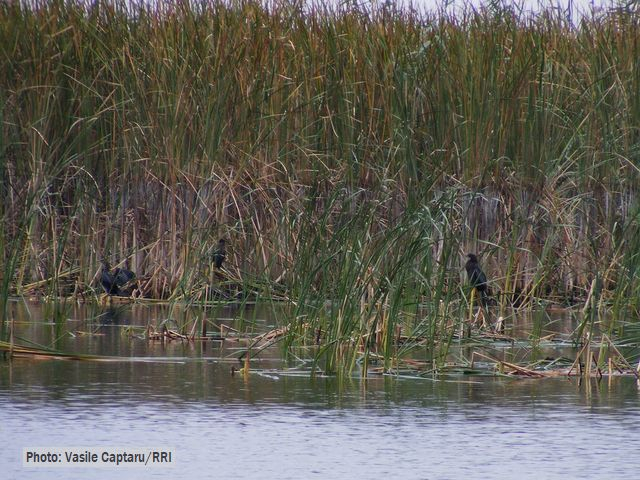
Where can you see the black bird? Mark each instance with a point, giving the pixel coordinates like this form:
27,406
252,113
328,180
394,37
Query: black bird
220,253
107,279
477,278
124,275
120,282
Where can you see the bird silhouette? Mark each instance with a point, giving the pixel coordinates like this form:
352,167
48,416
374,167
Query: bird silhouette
220,253
107,279
121,282
477,278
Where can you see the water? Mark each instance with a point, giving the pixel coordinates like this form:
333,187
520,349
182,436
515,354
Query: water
289,426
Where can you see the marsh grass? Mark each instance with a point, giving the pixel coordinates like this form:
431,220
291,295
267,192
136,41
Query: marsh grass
350,156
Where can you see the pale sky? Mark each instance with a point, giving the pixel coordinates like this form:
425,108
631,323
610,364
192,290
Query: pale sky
576,6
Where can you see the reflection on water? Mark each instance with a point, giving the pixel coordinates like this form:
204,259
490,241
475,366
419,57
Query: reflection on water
274,425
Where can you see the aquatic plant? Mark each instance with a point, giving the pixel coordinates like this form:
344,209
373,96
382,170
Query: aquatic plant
349,155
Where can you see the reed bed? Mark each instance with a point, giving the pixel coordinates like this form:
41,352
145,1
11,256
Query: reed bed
350,156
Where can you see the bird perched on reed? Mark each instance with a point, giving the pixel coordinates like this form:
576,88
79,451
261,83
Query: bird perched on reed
477,278
121,282
220,253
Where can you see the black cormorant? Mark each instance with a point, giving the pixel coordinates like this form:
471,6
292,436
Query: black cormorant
120,282
220,253
477,278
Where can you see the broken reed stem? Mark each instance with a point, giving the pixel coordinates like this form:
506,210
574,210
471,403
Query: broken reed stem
635,371
520,370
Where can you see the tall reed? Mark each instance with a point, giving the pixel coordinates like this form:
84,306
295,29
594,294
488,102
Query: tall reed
346,153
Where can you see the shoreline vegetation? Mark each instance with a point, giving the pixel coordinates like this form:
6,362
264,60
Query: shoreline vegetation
350,156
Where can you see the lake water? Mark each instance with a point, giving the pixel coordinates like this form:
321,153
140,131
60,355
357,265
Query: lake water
281,424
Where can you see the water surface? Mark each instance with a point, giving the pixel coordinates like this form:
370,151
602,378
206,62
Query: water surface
276,423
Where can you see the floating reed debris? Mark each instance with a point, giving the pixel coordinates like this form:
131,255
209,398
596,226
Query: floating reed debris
266,340
620,365
42,353
511,368
166,334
